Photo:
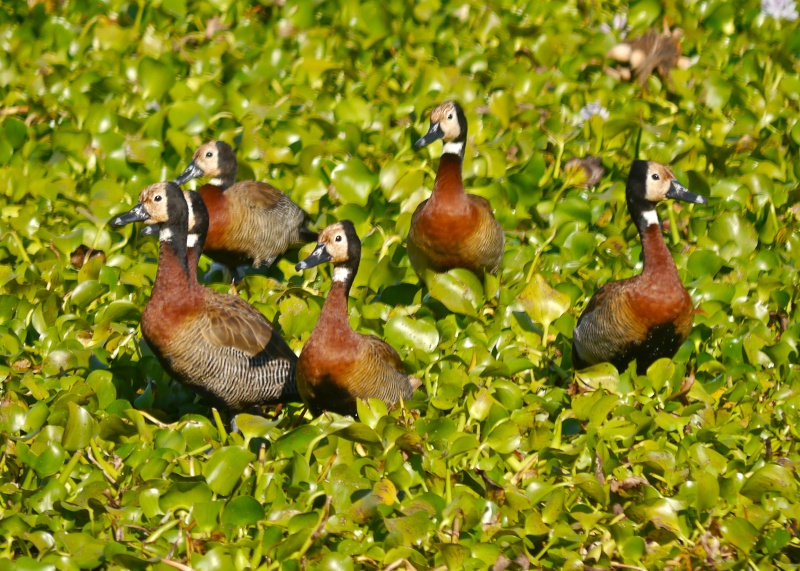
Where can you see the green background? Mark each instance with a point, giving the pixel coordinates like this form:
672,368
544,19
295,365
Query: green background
495,463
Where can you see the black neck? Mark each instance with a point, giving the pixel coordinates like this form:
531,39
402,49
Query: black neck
637,208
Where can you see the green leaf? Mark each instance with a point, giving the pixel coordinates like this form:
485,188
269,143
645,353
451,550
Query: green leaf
353,181
459,290
739,532
243,511
357,432
79,429
225,467
504,438
419,334
155,78
770,478
543,303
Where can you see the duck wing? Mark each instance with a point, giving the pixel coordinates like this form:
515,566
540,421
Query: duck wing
232,322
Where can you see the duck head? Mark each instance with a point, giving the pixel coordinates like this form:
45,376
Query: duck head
214,159
161,204
448,123
650,183
339,244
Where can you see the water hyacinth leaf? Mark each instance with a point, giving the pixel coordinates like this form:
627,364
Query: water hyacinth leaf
383,493
644,13
633,549
297,440
663,514
253,426
79,428
225,467
455,556
707,491
403,331
357,432
189,116
735,235
543,303
770,478
336,562
740,533
601,376
155,78
353,181
84,550
184,495
459,290
412,528
87,292
504,438
242,511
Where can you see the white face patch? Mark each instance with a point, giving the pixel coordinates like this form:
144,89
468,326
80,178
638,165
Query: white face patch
165,235
341,274
216,181
191,240
455,148
650,216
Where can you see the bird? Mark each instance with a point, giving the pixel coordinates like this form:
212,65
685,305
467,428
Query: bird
453,229
338,365
251,223
653,51
648,316
217,344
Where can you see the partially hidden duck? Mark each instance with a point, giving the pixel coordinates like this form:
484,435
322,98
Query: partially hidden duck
250,222
453,229
338,365
649,316
217,344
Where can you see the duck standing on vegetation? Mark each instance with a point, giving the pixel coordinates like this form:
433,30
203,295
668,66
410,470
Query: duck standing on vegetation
338,365
646,317
453,229
216,343
250,222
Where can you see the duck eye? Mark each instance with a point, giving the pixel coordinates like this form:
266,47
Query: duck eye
157,198
209,154
450,116
655,176
338,238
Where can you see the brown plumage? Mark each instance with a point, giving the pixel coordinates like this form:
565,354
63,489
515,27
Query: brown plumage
649,316
338,365
653,51
250,222
453,229
216,343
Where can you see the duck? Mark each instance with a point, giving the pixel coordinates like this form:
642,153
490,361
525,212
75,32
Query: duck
648,316
338,365
653,51
217,344
453,229
251,223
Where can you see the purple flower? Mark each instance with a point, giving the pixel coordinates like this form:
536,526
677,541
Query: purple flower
779,9
619,23
591,109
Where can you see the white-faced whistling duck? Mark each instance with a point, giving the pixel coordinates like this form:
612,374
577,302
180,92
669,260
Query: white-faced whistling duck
649,316
338,365
218,344
453,229
250,222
